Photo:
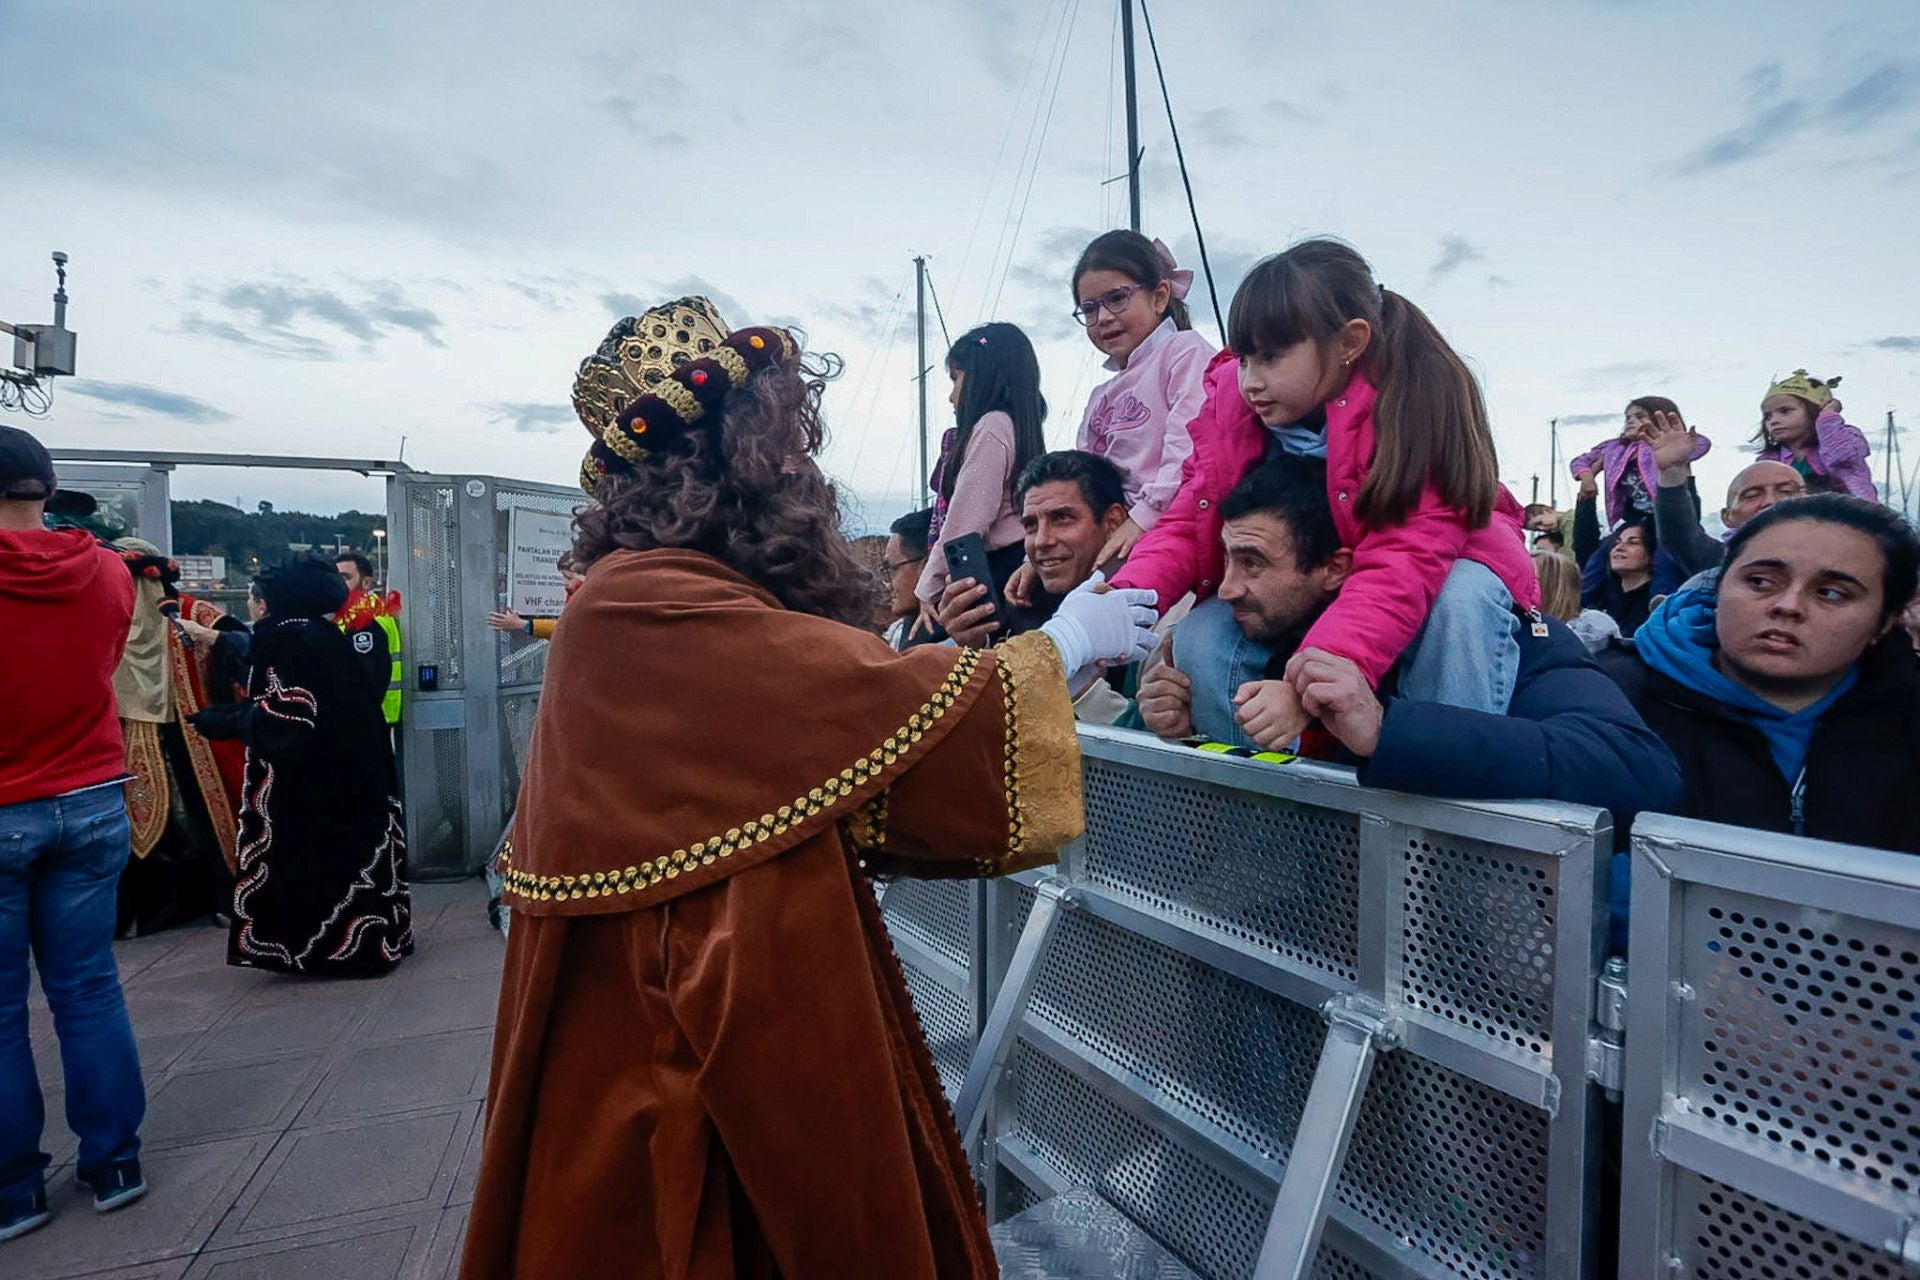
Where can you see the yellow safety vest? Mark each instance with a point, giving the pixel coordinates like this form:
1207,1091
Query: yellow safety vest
396,675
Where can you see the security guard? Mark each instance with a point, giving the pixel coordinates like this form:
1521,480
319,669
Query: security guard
370,621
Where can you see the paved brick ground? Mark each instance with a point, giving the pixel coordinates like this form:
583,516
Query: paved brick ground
294,1129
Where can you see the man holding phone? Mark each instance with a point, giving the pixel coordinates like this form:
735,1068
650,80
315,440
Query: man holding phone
1070,502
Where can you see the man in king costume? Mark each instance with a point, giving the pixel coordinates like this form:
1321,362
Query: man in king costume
184,796
706,1063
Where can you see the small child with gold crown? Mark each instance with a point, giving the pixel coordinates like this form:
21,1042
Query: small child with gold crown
1800,425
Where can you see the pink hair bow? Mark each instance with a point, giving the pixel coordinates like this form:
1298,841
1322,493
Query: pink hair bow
1181,280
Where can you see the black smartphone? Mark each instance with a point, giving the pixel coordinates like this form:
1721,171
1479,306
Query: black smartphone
967,558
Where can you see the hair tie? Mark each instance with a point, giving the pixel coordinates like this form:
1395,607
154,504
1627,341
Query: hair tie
1383,292
1180,281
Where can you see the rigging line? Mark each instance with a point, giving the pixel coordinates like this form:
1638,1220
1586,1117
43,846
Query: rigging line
858,388
1181,156
1006,136
939,314
879,372
900,457
1034,172
1026,153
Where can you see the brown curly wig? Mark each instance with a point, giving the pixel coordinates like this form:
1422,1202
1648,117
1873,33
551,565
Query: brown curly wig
748,493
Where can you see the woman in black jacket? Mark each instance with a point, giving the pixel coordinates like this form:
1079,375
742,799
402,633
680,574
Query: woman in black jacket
321,883
1786,690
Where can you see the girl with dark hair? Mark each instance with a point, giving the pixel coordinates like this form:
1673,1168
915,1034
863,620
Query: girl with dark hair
705,1045
1130,297
999,415
1325,363
1628,463
1800,425
321,875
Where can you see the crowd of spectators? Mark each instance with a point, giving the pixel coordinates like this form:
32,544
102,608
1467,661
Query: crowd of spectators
1763,674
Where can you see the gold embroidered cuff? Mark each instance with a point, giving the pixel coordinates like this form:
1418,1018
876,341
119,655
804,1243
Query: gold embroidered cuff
1044,808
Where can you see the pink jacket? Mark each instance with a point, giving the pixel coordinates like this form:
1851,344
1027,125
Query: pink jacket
1839,450
1615,456
1397,571
1137,419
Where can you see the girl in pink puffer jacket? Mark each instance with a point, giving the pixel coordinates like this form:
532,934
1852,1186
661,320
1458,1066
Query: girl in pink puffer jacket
1323,362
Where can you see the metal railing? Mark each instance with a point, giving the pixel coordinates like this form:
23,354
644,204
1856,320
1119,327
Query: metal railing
1772,1120
1260,1006
1289,1027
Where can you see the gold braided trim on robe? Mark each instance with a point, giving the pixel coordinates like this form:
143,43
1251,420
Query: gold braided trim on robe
189,678
777,829
147,793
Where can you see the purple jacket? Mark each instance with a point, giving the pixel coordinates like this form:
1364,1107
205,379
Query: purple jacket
1612,457
1839,450
1397,571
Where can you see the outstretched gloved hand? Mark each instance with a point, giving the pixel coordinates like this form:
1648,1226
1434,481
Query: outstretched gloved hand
1110,626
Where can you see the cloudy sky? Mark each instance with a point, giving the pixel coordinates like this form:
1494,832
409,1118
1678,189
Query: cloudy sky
303,228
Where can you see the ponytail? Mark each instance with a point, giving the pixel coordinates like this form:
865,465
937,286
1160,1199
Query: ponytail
1430,422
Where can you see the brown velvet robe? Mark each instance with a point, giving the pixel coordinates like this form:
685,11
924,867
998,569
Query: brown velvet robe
706,1064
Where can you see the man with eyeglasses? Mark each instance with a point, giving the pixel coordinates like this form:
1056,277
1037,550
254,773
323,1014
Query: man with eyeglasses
905,552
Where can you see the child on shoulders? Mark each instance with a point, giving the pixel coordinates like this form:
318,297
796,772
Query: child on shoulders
1800,425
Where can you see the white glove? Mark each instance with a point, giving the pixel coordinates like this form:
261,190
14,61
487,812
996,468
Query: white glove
1092,626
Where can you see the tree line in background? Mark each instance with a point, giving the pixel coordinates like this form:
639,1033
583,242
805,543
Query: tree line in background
253,539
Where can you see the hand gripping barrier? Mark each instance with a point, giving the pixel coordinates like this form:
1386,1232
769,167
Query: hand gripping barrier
1287,1025
1772,1121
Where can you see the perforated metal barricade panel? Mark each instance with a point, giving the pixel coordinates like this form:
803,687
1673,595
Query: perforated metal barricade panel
1481,925
1455,1168
1774,1052
1212,1221
431,609
1723,1234
1276,873
933,923
1175,1027
1231,1054
1803,1033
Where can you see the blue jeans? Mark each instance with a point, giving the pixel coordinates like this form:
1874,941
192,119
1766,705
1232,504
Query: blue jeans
60,863
1467,654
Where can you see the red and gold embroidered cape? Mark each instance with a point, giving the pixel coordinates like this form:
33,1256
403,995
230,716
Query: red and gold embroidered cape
217,766
707,1062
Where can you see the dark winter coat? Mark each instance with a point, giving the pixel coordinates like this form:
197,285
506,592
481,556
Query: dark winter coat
1862,772
1569,735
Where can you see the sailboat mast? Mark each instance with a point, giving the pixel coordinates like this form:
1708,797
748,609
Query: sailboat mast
920,293
1133,116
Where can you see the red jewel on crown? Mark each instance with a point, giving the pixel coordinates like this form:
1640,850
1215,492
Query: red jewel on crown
699,377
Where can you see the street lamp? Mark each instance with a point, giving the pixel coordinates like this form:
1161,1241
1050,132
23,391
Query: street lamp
380,554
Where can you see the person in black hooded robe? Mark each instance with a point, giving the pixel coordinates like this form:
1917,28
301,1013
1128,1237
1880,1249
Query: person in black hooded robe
320,885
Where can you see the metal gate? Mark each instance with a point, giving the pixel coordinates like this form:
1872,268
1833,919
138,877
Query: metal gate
463,741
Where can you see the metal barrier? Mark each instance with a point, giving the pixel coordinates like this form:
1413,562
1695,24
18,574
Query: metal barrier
1257,1003
1772,1122
464,741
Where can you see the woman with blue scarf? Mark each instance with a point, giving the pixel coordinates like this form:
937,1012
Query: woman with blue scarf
1786,689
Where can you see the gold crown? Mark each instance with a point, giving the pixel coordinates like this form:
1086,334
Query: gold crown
1812,390
639,354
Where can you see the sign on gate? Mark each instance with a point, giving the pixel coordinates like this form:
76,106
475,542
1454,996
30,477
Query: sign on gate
539,538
